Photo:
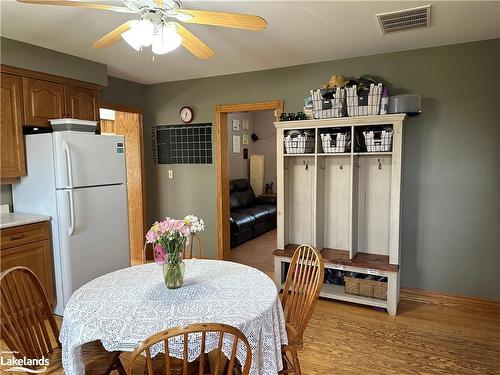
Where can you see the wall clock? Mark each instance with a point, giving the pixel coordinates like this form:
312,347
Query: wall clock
186,114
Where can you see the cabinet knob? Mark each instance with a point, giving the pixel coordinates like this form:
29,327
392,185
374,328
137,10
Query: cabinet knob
18,237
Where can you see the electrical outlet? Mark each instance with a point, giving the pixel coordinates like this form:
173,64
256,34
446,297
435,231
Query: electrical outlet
170,173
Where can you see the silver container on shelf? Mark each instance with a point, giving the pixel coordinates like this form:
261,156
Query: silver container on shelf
410,104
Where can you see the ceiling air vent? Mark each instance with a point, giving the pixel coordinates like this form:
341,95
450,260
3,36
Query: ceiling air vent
406,19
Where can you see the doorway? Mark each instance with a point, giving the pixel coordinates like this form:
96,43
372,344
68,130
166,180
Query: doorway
127,121
222,113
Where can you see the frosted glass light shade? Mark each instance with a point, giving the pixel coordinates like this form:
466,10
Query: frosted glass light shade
145,30
140,34
132,37
166,39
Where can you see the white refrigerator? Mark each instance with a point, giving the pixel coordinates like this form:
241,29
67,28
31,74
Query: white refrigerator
79,180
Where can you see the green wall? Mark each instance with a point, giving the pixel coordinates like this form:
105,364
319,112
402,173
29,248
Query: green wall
451,176
28,56
120,91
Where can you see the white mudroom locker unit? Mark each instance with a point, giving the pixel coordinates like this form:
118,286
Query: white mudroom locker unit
342,195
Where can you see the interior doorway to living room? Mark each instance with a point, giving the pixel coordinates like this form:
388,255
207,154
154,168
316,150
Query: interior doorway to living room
246,182
252,183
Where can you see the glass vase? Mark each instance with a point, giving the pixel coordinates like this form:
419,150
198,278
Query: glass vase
173,273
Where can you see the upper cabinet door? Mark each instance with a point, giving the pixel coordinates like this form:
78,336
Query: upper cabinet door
11,135
43,101
81,103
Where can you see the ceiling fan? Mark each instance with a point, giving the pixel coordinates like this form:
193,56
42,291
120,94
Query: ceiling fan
157,26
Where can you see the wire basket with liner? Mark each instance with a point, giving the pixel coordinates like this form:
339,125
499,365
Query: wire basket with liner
299,141
364,100
335,140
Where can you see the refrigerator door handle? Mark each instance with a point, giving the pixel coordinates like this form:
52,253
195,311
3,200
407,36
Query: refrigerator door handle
69,164
71,228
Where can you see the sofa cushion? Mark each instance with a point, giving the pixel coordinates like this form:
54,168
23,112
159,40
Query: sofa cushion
240,219
260,214
246,197
234,202
271,210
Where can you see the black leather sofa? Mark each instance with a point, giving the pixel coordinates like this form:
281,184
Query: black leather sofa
250,216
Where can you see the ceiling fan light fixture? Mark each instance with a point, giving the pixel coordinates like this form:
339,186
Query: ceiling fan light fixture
132,37
166,40
144,30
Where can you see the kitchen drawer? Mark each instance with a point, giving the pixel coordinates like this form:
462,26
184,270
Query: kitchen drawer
24,234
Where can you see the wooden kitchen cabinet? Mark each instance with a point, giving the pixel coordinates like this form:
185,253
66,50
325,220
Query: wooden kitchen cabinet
81,103
29,246
43,101
11,136
46,100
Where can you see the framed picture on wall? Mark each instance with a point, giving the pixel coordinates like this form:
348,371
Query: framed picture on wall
246,124
244,139
236,124
236,144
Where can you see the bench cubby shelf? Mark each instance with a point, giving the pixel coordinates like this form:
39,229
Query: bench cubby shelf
345,204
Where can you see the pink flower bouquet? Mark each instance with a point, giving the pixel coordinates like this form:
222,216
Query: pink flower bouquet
168,238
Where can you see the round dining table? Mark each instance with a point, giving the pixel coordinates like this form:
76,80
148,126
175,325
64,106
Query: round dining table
123,308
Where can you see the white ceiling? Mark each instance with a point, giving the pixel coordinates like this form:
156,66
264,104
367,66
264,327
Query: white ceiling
298,32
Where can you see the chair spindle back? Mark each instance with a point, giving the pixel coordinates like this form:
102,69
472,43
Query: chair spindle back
200,329
302,287
25,312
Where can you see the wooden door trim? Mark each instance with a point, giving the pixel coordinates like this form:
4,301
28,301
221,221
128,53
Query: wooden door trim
48,77
131,109
222,164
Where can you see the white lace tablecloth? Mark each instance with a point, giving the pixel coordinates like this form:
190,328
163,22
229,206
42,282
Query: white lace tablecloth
125,307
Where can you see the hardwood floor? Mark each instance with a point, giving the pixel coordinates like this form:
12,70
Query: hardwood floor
433,333
257,253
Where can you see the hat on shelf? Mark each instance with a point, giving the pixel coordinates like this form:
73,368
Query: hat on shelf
336,81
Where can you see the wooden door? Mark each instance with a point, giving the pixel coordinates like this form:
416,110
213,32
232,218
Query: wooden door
43,101
11,135
37,257
81,103
130,125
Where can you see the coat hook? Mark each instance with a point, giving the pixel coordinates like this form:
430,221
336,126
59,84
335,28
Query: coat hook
341,166
305,163
322,166
379,164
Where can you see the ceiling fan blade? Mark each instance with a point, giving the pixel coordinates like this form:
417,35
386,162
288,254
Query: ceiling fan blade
79,4
193,44
111,38
234,20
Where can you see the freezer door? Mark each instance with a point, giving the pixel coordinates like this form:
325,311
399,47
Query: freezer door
93,231
86,159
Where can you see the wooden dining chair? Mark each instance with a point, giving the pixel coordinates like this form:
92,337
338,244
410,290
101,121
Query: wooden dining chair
29,328
187,251
300,293
148,254
171,366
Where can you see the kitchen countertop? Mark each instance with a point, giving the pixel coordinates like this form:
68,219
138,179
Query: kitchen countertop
13,219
